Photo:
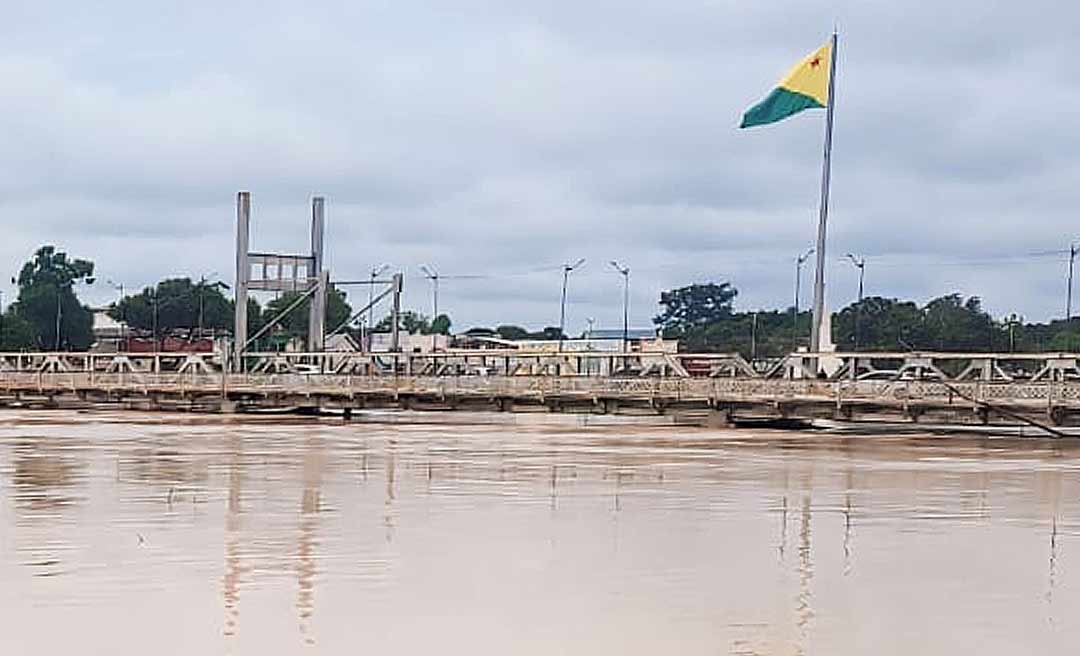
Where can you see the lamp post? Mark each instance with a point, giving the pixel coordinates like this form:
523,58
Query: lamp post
799,262
375,273
119,288
625,271
60,308
432,274
154,298
1011,321
753,338
1073,250
860,264
567,269
202,287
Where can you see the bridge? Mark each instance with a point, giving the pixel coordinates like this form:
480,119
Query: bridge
974,389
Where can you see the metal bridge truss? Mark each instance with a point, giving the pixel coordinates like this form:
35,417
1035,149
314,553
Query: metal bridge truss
898,366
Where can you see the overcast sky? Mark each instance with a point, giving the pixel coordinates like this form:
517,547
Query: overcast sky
500,139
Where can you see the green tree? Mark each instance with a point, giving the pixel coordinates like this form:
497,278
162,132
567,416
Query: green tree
408,321
16,333
180,303
695,306
440,325
47,300
512,332
295,323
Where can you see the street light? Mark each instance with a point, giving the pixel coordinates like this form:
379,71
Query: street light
860,264
433,275
375,273
1011,321
567,269
1073,250
202,287
59,305
625,271
157,305
799,262
119,288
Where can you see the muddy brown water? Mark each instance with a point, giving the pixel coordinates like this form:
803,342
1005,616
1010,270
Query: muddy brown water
486,534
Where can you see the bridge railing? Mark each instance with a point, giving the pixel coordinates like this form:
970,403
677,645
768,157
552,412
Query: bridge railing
626,369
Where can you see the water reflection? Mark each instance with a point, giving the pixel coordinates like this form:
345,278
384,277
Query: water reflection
46,475
542,538
310,507
230,584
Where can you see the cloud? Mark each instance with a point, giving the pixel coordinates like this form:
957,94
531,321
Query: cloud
500,139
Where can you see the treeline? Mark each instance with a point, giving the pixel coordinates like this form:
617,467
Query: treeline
703,318
47,314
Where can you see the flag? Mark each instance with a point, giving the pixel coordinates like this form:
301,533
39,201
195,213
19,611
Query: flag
805,86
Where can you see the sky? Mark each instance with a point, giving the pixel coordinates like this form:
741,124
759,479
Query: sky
495,141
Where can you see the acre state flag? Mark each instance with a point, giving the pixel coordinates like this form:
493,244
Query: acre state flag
805,86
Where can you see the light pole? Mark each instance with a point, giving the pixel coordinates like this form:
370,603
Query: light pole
432,274
860,264
753,338
1073,250
119,288
155,321
59,305
566,270
625,271
1012,320
375,273
799,262
202,287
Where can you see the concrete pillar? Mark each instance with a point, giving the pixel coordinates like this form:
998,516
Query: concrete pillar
317,316
243,273
395,313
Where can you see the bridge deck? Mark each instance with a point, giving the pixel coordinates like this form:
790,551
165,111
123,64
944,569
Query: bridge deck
702,399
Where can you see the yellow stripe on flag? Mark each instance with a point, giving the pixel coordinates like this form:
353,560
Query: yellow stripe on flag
810,77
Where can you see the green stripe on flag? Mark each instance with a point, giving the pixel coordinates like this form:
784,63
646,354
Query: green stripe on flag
779,104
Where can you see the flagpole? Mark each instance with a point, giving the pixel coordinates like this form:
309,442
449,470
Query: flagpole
826,168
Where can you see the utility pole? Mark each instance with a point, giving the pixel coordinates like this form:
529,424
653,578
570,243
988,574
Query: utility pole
625,271
433,275
859,263
799,262
567,269
1073,249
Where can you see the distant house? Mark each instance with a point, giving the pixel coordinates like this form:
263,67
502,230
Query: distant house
108,332
409,343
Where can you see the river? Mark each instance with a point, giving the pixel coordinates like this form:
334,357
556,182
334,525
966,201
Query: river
128,533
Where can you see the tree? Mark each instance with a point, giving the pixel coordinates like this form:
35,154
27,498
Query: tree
179,303
295,323
16,333
47,301
440,325
695,306
512,332
408,321
550,333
